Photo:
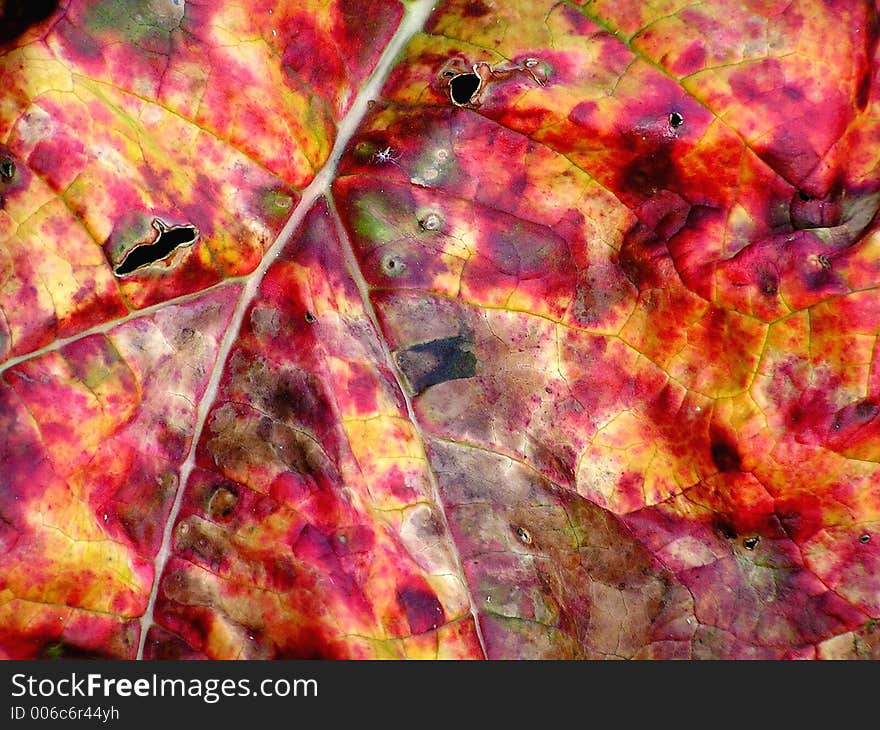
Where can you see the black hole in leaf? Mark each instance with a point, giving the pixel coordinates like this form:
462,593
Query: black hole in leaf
7,170
803,196
167,241
750,543
449,74
430,222
523,534
864,538
463,87
393,265
675,120
310,318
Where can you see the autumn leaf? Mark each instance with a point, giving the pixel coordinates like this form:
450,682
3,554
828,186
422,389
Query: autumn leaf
379,329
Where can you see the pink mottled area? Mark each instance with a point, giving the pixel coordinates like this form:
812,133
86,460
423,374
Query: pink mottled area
204,114
279,550
82,508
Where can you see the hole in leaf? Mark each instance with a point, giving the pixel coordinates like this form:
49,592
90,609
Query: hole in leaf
430,222
675,120
750,543
7,170
463,87
393,265
803,196
524,536
310,318
168,240
823,261
864,538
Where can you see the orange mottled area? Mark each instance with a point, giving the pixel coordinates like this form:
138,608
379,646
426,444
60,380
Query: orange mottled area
311,528
633,281
211,115
94,435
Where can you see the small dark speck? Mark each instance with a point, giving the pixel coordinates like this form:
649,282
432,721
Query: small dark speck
310,318
7,170
864,538
823,261
750,543
523,534
675,120
803,196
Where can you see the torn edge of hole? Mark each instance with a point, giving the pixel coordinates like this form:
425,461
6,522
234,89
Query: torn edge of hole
168,240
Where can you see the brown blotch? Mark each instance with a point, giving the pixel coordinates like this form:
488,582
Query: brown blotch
202,539
222,501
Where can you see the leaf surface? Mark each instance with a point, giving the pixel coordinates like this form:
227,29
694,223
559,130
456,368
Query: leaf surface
357,330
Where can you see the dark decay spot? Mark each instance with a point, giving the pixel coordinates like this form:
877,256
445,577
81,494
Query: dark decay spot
222,501
167,240
524,535
820,279
768,283
475,9
310,318
430,363
297,396
16,16
863,91
803,196
650,172
675,120
463,87
866,410
423,610
7,170
724,453
725,528
750,543
864,538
